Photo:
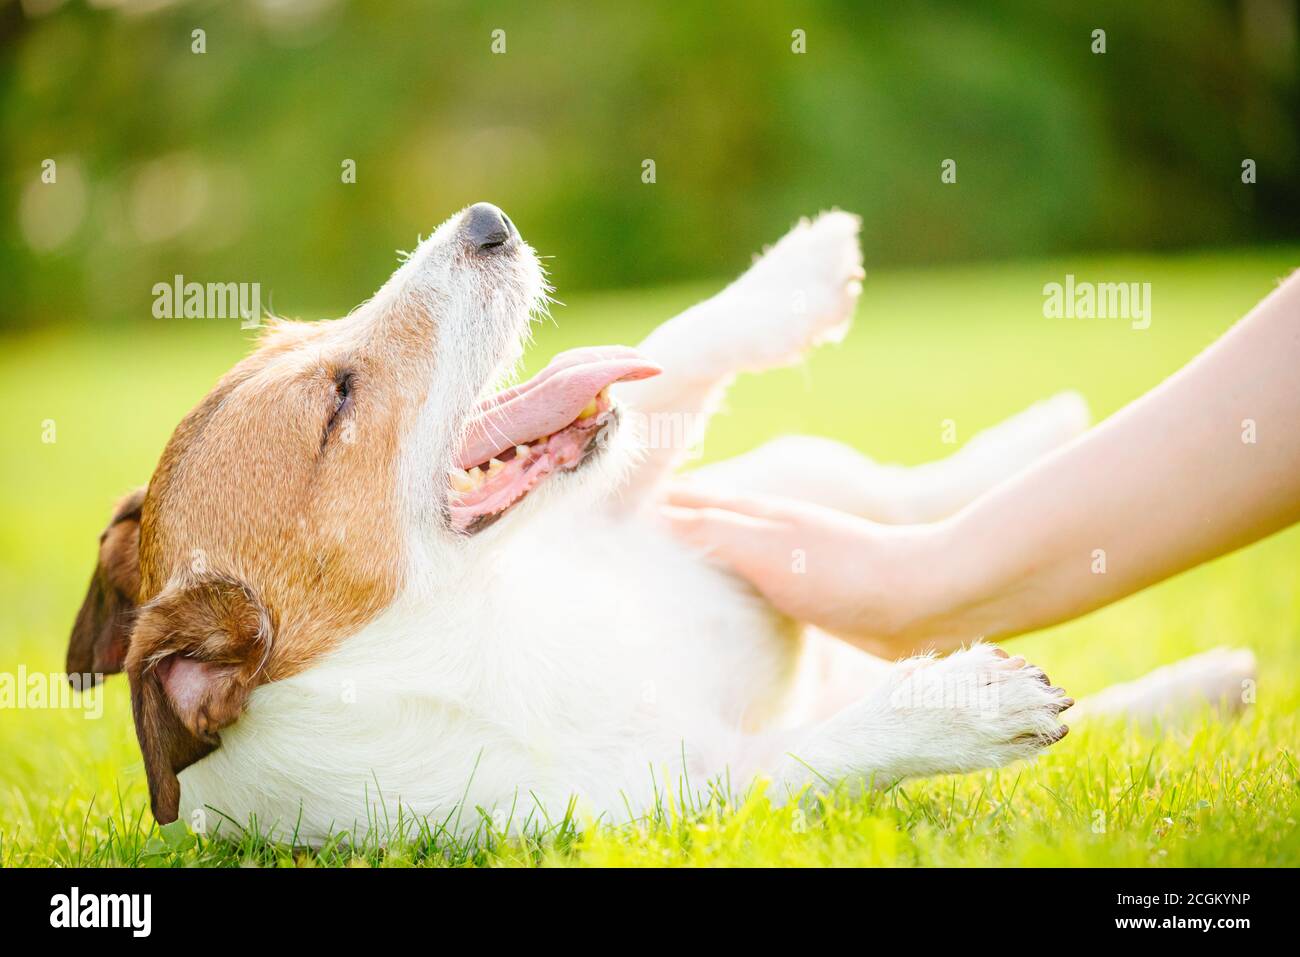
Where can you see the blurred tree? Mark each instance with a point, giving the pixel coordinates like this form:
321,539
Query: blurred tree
229,164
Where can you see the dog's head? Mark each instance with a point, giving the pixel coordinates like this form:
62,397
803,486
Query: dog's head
322,473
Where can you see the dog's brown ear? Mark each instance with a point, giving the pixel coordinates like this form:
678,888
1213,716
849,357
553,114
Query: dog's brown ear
102,631
196,654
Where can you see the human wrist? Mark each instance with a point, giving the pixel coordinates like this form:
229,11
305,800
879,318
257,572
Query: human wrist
950,579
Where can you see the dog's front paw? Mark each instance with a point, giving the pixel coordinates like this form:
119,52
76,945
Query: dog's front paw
803,291
983,707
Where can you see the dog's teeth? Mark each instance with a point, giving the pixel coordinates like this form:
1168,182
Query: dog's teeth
460,480
494,466
588,412
476,476
522,452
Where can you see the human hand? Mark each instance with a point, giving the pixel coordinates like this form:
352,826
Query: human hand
865,582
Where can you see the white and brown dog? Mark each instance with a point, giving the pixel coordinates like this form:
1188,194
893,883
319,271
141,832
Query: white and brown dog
358,580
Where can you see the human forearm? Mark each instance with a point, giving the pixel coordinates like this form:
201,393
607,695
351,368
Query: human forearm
1207,462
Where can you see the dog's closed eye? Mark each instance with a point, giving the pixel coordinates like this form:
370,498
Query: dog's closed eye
344,390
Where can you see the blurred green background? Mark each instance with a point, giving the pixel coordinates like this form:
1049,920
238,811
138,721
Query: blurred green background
226,165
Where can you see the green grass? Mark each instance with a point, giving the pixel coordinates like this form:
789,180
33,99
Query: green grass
964,344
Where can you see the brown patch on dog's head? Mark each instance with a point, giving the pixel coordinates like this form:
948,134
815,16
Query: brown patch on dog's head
272,529
286,477
278,518
102,632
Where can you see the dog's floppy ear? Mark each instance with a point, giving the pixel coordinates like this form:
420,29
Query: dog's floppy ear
102,631
196,654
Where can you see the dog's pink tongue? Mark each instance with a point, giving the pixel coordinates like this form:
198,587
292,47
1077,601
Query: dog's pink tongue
550,400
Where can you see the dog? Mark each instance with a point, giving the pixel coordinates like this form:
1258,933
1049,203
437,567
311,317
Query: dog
362,583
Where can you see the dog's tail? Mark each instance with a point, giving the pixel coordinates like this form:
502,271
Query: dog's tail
1222,677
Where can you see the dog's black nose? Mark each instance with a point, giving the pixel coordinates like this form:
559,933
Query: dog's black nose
487,227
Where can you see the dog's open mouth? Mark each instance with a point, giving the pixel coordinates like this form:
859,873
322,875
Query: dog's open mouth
551,423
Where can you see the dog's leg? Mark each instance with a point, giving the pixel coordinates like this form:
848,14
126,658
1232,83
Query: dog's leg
1222,677
974,709
801,292
826,472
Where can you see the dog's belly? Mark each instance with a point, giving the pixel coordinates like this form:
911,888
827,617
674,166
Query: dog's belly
589,666
690,636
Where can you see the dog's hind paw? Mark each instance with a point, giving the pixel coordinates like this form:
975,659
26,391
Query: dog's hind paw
984,708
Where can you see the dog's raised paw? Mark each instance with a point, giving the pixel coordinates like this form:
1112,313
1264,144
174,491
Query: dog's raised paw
803,291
